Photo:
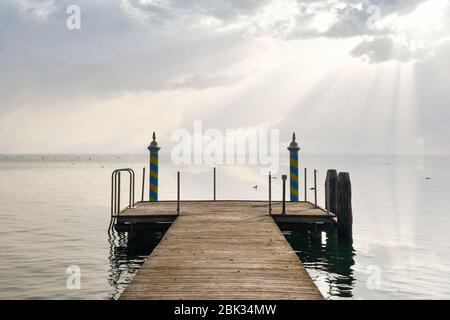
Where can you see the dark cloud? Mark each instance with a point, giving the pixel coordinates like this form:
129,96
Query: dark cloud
42,62
382,49
226,10
400,7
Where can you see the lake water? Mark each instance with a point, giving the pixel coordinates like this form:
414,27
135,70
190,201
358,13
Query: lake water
55,214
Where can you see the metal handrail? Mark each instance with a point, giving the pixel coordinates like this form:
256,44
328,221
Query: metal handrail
284,178
312,188
315,188
306,184
178,192
270,191
214,183
143,184
115,190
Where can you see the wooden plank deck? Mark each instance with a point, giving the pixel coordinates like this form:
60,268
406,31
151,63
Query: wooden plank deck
169,208
220,250
166,211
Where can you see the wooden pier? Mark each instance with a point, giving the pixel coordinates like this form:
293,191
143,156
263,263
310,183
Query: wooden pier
221,250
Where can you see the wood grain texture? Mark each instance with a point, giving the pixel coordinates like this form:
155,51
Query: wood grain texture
170,207
221,250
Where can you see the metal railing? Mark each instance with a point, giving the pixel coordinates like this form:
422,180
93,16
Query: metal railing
283,208
315,188
270,191
143,184
214,183
178,192
116,192
283,199
312,188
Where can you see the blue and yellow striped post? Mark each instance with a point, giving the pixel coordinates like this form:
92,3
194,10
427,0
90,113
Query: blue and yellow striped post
293,163
154,149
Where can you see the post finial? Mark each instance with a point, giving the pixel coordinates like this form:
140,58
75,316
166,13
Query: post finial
153,145
294,145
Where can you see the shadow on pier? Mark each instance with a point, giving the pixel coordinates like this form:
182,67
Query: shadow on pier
328,259
127,254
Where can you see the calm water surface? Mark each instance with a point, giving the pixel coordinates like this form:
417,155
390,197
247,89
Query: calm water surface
55,213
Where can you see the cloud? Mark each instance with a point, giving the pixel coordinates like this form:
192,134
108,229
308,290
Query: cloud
405,31
377,22
230,63
382,49
226,10
203,82
44,63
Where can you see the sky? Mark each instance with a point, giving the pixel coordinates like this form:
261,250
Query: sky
346,76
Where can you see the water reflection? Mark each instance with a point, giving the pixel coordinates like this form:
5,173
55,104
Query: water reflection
127,253
328,259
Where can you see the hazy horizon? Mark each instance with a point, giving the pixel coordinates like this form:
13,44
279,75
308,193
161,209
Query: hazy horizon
145,153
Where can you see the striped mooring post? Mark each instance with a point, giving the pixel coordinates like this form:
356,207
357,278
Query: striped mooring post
293,163
154,163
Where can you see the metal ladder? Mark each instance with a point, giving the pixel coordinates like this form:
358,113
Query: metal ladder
115,192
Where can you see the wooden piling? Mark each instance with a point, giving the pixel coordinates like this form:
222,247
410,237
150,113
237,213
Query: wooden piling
330,191
315,235
344,205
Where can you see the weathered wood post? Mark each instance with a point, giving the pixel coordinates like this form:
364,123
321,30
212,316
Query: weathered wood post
330,191
315,235
344,205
